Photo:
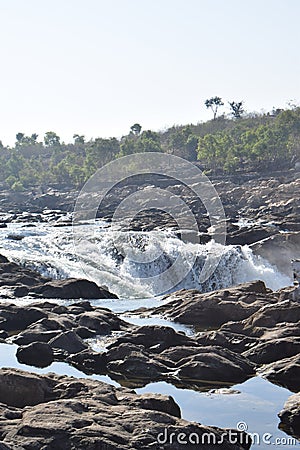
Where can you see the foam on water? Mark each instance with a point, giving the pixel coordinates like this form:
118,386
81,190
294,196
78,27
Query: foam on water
110,259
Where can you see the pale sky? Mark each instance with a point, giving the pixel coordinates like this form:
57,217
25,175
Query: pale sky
96,67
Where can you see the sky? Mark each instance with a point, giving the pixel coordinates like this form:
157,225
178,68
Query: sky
96,67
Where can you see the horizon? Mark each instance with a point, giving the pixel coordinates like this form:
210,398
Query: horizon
95,69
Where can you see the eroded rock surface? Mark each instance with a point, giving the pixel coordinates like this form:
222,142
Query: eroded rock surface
59,412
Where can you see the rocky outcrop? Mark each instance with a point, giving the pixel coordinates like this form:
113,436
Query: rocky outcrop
38,354
20,282
160,353
284,372
269,204
71,288
290,416
211,310
58,412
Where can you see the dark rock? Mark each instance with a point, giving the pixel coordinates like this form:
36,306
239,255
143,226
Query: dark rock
235,342
285,372
215,308
273,350
102,321
68,341
3,259
250,235
13,318
215,364
89,362
15,237
155,338
71,288
88,414
290,416
3,335
84,332
38,354
18,388
268,316
30,336
21,291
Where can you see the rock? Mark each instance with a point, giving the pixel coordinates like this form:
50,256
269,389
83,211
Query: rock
102,321
267,317
215,308
154,338
290,416
18,388
3,259
69,342
15,237
273,350
285,372
71,288
215,364
131,361
63,413
38,354
89,362
84,332
13,318
236,342
280,250
250,235
29,336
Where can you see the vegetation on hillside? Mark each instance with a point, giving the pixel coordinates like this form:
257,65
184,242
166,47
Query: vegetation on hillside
224,144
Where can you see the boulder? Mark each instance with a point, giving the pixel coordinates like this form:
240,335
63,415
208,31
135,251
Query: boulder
18,388
273,350
69,342
215,308
38,354
71,288
285,372
215,365
290,416
267,317
154,338
13,318
101,320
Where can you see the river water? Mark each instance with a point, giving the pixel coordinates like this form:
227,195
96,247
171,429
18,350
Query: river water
105,257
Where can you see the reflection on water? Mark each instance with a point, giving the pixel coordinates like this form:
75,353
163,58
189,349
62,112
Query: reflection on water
8,359
257,404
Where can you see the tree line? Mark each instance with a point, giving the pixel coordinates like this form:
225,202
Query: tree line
224,144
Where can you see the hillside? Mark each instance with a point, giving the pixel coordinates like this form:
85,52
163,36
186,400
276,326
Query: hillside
256,142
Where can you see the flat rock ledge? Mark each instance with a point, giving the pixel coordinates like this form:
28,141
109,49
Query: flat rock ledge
64,413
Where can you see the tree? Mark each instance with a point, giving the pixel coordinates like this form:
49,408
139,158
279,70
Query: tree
236,109
136,129
214,103
78,139
26,140
51,139
19,137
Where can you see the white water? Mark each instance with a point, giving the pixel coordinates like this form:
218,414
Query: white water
111,258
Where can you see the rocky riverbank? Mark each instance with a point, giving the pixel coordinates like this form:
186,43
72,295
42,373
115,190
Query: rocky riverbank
59,413
265,205
239,332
